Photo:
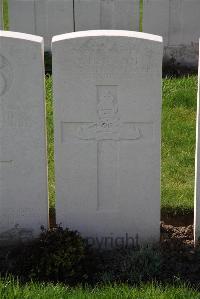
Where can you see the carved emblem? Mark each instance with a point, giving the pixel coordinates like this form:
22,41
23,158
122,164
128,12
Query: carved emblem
107,110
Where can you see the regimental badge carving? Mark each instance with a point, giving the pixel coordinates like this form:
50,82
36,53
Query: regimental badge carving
6,75
108,121
108,132
108,126
107,109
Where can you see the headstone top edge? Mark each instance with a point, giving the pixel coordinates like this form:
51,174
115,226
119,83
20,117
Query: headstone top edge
105,33
22,36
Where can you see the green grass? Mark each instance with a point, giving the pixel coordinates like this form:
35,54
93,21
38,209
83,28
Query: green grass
50,138
178,143
141,16
5,15
10,289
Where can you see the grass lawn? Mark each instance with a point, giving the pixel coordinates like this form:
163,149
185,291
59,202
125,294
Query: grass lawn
12,290
178,143
5,14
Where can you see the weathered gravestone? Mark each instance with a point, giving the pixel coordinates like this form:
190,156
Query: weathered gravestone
42,17
107,92
1,14
178,22
23,167
197,168
107,14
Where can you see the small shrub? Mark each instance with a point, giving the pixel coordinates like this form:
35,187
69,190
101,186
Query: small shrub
56,256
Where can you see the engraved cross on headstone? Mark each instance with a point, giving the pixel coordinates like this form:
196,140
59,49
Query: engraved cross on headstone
108,132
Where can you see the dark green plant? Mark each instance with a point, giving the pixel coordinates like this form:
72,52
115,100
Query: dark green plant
128,265
56,256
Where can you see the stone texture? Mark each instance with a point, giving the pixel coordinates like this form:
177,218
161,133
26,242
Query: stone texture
107,14
23,166
107,97
178,22
42,17
197,168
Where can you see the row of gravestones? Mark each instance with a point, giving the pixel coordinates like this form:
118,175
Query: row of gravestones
107,135
107,109
176,20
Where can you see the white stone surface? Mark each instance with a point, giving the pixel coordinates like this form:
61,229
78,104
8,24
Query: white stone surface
178,22
23,166
42,17
107,14
197,168
1,14
107,97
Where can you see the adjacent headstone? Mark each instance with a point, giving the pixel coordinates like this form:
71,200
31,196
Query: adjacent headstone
107,97
178,22
42,17
107,14
197,168
1,14
23,166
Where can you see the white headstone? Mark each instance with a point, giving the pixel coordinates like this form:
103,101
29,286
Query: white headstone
42,17
107,14
23,166
178,22
107,93
197,167
1,14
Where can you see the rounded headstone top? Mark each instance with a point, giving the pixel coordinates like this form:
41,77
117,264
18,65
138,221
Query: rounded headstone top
19,35
119,33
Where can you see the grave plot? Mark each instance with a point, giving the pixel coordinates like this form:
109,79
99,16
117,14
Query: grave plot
107,101
23,166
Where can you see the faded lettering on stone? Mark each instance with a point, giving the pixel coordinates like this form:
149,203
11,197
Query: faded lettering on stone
14,118
96,54
16,234
12,216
